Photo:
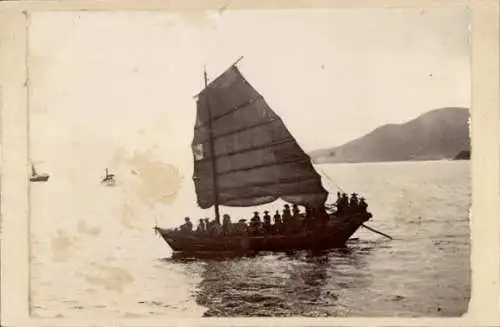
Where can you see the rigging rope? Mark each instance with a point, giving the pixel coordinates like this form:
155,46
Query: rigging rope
321,171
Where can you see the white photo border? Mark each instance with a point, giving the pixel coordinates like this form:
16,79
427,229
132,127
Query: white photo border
484,307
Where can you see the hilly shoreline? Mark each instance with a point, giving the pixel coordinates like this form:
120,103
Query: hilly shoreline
439,134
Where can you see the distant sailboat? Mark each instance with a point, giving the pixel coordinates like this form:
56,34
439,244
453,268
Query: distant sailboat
35,177
109,179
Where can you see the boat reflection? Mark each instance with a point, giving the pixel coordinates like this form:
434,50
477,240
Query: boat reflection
266,284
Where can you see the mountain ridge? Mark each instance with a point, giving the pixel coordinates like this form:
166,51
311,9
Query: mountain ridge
434,135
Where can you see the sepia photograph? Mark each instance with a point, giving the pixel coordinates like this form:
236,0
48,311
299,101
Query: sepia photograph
249,163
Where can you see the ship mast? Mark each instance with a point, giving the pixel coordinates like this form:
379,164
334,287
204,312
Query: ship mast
245,180
212,152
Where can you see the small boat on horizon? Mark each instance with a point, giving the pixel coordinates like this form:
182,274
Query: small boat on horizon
244,156
109,179
36,177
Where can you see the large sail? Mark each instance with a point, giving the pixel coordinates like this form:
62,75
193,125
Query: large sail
257,159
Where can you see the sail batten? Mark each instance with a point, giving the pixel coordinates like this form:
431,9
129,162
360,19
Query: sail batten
271,194
243,145
242,129
265,165
265,184
250,149
235,109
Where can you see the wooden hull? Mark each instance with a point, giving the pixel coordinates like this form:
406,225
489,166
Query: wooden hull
335,235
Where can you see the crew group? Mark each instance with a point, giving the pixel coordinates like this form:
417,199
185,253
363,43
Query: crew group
289,221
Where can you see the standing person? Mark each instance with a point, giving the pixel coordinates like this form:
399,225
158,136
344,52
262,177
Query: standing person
353,203
295,221
277,223
201,227
187,226
241,227
267,223
226,224
363,206
339,204
344,201
216,228
255,224
286,217
309,219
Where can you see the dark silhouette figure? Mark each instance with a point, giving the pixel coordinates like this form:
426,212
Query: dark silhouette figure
187,226
363,206
267,223
201,227
226,224
255,224
278,223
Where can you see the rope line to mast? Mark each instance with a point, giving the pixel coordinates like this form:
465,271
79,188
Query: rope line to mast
322,172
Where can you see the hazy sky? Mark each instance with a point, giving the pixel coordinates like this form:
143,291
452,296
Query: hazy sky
340,73
106,84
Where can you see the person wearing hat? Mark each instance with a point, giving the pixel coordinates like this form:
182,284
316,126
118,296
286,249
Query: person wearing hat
354,201
277,222
208,226
345,198
201,227
267,223
216,228
308,219
241,227
286,214
255,224
363,206
342,204
295,223
226,224
338,202
256,217
187,226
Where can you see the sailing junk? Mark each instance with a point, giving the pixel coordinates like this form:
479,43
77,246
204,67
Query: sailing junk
35,177
245,156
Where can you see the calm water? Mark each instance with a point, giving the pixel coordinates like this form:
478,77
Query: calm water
104,258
